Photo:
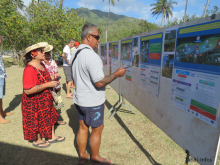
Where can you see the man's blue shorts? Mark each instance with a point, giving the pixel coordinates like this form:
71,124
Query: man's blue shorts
92,116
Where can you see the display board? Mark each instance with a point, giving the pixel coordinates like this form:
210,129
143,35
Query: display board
196,75
194,70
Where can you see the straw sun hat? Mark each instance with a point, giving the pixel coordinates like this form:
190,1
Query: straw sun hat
35,46
48,48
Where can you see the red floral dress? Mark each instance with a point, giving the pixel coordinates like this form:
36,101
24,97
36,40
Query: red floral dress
38,112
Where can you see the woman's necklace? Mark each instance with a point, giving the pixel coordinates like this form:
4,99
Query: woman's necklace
40,67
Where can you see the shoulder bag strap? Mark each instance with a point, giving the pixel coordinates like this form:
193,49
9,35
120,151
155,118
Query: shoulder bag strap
77,54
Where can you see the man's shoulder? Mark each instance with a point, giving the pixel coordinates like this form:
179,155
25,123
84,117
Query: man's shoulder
66,48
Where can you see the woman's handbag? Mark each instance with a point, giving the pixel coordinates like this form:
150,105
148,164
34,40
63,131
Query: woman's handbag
55,97
60,104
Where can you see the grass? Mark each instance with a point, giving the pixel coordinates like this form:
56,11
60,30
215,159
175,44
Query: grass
8,61
127,139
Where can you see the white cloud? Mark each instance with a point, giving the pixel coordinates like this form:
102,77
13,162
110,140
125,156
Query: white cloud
178,14
122,7
26,2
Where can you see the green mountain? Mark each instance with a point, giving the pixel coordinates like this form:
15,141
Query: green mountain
104,15
97,15
119,25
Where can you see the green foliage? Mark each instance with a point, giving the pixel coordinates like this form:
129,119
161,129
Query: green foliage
163,7
122,27
43,21
215,10
176,21
13,26
50,23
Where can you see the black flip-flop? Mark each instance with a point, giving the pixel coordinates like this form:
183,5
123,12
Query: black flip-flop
38,145
56,140
60,123
102,163
85,161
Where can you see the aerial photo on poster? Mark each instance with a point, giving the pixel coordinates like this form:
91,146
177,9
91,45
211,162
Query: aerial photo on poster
126,58
196,73
170,41
113,57
167,65
135,52
104,53
168,55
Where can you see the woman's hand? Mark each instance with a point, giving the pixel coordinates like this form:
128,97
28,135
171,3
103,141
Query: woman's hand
56,75
52,84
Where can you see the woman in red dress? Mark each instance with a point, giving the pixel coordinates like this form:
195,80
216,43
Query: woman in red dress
38,112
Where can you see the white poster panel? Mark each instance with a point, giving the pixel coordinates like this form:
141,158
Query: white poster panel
196,73
150,60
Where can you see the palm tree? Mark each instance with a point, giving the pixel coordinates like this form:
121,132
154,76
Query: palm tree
113,3
185,11
100,30
1,44
206,8
163,7
61,4
19,3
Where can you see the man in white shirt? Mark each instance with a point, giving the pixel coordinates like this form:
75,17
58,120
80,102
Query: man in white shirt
89,96
66,67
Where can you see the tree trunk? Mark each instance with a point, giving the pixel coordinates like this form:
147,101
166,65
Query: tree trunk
162,20
61,4
206,8
185,11
107,23
1,43
18,58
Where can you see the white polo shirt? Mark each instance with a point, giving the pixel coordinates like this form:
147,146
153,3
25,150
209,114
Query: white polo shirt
66,50
87,69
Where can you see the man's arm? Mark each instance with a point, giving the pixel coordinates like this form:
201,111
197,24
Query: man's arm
64,56
108,79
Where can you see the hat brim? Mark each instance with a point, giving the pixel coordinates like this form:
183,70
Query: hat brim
35,46
48,48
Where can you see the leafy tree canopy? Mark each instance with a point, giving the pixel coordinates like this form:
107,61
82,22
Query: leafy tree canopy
43,21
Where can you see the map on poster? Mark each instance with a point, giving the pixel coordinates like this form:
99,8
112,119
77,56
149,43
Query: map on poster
104,53
129,55
149,70
113,57
196,73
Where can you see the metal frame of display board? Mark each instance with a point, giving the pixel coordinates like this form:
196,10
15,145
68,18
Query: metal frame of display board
121,100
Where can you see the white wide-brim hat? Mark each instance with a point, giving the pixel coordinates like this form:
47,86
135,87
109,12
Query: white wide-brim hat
48,48
35,46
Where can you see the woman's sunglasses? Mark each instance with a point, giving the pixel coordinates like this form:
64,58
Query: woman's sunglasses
40,50
96,37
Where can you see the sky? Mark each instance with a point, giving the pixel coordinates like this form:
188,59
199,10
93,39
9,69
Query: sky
141,8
